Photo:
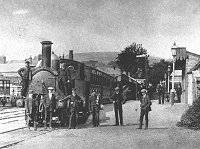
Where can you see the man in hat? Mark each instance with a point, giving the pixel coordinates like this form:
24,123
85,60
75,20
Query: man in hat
145,108
95,107
26,75
31,104
160,89
74,100
64,80
50,106
118,100
179,92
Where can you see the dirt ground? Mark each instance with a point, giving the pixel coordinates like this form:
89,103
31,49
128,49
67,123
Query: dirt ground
162,132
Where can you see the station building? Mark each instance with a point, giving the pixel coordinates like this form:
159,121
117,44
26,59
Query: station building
189,64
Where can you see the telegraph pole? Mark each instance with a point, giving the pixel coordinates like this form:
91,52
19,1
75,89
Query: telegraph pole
145,68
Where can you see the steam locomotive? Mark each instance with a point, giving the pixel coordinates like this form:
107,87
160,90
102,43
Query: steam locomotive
82,77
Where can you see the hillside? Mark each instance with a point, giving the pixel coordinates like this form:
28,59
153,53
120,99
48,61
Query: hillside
106,57
97,56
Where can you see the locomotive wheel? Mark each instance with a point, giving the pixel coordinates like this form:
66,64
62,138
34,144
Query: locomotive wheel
3,102
13,100
20,103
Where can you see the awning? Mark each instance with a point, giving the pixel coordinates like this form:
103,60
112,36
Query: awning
181,53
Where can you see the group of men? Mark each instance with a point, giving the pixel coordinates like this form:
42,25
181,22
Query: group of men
32,107
48,101
118,101
160,89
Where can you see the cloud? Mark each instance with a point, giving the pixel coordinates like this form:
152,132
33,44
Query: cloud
20,12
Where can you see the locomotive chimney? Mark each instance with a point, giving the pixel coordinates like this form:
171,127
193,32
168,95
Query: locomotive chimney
71,54
46,53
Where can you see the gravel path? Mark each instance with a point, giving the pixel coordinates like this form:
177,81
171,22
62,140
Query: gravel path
162,132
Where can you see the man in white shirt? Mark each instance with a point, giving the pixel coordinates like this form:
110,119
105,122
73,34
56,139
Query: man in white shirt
50,106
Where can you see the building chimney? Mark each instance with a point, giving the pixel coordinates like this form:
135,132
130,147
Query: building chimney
71,54
4,59
31,60
46,53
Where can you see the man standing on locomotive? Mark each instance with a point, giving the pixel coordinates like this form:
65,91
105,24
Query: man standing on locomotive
25,73
64,80
31,104
50,106
118,100
74,100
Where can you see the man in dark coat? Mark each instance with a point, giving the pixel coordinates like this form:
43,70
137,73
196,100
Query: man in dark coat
31,105
64,80
74,100
161,91
95,104
179,92
50,106
118,100
99,107
145,108
150,91
26,75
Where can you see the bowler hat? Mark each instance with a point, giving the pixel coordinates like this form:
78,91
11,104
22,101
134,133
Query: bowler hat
27,61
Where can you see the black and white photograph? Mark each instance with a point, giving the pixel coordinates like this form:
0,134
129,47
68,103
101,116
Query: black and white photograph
99,74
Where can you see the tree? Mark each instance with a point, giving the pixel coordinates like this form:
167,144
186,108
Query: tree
157,71
112,64
127,59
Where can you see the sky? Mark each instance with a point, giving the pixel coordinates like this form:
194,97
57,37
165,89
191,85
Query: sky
98,25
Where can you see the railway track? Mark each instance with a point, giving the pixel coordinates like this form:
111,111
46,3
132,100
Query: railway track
13,128
11,120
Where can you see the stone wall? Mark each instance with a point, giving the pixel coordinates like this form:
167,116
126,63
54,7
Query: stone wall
192,60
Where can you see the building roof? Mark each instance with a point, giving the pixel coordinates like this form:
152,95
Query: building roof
181,53
193,54
10,67
194,68
111,71
177,73
128,78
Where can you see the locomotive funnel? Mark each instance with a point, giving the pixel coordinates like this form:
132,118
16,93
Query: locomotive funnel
46,53
71,54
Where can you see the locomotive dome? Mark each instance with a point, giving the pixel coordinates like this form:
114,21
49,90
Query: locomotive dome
54,56
55,61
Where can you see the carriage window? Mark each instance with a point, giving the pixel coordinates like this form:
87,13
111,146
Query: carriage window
98,79
91,76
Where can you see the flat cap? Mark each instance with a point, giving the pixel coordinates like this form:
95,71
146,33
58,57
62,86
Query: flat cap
116,88
50,88
144,91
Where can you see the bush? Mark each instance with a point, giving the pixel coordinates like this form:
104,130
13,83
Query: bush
191,117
